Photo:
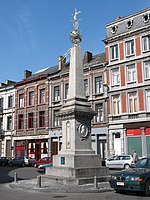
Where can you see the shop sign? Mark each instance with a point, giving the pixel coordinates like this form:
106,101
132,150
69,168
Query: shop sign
147,131
133,132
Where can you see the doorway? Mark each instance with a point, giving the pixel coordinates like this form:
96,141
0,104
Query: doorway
37,150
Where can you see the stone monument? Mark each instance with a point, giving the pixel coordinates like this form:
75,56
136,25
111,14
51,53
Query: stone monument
76,162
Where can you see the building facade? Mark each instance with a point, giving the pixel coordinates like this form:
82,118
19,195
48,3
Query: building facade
128,78
7,109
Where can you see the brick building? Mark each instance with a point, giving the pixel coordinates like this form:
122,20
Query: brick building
128,77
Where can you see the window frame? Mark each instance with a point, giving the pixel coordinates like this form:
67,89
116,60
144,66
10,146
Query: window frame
98,84
116,104
130,47
9,122
21,100
148,70
132,70
114,52
147,37
99,113
132,99
86,87
147,96
115,72
56,121
56,93
30,120
10,101
41,119
42,96
20,121
31,98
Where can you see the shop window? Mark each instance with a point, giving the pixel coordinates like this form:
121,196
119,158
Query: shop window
21,100
56,93
31,148
41,119
20,122
133,104
98,85
42,96
99,113
131,73
129,48
114,52
86,87
30,120
45,148
116,104
31,98
115,77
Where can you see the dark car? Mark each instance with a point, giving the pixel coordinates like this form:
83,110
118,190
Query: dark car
133,179
42,168
44,160
20,161
4,161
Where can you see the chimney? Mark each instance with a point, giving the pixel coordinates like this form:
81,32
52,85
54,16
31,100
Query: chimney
27,73
9,82
61,62
87,57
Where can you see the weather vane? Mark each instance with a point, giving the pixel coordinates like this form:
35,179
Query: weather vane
75,35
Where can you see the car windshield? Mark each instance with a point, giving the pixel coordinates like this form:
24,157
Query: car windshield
143,163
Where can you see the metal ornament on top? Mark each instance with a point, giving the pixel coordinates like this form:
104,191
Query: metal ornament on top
75,35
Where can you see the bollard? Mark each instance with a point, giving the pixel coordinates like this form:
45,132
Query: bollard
15,177
95,182
39,180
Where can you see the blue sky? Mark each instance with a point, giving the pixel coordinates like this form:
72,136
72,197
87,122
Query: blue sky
33,33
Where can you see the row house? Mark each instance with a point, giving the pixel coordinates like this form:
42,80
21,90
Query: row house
128,77
39,97
7,109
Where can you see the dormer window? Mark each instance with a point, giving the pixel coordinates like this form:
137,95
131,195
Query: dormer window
146,18
129,23
114,29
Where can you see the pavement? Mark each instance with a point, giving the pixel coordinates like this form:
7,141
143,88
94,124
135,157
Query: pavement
33,185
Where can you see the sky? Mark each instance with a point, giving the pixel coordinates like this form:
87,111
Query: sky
33,33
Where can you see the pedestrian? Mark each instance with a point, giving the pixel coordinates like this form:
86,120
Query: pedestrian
135,156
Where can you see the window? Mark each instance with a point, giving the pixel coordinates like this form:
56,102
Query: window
66,90
1,104
98,85
1,123
116,105
10,101
148,100
133,105
20,122
9,122
99,113
56,118
21,100
146,43
147,69
56,93
31,98
86,87
114,52
115,78
42,96
41,119
131,73
129,48
30,120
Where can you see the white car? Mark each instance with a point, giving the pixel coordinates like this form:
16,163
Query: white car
119,162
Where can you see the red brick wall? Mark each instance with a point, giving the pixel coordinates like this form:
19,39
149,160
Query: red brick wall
107,53
121,46
122,71
139,72
141,100
123,97
138,45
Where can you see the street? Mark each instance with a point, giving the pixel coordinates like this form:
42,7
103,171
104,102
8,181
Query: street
7,174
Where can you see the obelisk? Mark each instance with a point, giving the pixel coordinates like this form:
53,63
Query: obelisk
76,162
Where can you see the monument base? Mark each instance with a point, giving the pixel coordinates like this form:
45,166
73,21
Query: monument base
76,170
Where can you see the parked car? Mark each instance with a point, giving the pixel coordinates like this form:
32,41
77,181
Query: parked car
42,168
119,162
31,161
133,179
44,160
4,161
20,161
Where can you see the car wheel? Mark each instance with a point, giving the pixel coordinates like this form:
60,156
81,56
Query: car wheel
147,188
126,166
10,164
23,164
